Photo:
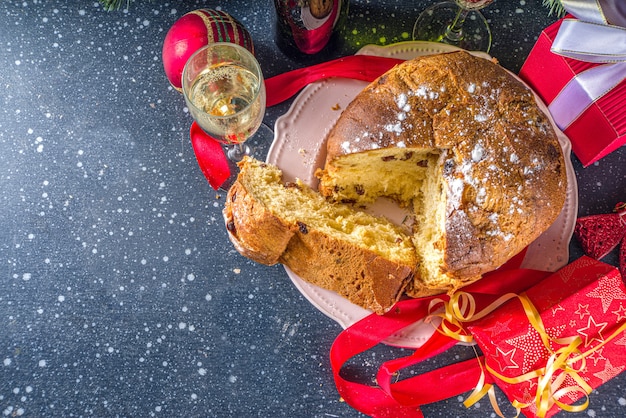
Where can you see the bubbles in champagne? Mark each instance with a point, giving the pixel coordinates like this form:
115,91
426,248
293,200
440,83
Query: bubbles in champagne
224,90
228,101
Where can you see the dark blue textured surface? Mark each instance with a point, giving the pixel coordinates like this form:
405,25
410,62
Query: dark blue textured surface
120,294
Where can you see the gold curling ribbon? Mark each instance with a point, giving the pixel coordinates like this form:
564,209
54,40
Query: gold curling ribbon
560,364
462,308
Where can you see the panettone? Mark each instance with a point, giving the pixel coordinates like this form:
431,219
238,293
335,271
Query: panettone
462,142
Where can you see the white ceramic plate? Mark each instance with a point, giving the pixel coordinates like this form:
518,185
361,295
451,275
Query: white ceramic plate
299,148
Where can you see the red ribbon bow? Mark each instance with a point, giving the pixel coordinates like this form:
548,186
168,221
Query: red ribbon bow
209,153
600,234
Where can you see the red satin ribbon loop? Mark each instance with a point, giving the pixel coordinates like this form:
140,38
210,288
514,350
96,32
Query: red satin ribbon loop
359,338
359,67
210,156
416,391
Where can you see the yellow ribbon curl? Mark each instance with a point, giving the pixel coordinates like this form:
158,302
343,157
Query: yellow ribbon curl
563,362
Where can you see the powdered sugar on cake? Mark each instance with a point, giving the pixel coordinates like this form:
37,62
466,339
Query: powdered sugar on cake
478,152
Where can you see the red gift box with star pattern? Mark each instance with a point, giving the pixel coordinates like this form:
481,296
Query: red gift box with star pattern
573,330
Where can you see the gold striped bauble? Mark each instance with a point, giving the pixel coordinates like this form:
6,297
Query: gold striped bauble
195,30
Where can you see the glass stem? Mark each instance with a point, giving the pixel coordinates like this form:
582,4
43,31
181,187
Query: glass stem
454,32
236,152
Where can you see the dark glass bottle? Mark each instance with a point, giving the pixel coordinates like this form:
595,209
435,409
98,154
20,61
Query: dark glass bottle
308,25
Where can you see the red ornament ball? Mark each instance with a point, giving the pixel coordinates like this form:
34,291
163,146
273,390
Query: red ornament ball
195,30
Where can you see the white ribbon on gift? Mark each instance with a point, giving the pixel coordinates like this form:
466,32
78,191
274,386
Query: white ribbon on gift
590,42
598,36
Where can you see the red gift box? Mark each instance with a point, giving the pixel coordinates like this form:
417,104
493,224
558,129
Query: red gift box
601,128
546,347
582,309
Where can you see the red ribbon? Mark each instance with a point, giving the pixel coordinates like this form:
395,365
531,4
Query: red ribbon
209,152
210,155
365,334
359,67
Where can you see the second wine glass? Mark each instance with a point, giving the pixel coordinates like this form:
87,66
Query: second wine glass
457,23
225,93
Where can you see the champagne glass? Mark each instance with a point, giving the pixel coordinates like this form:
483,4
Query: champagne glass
457,23
225,94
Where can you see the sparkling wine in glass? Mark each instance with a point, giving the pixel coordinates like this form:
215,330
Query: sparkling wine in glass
457,23
225,93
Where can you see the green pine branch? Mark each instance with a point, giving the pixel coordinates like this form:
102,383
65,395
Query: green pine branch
555,6
109,5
